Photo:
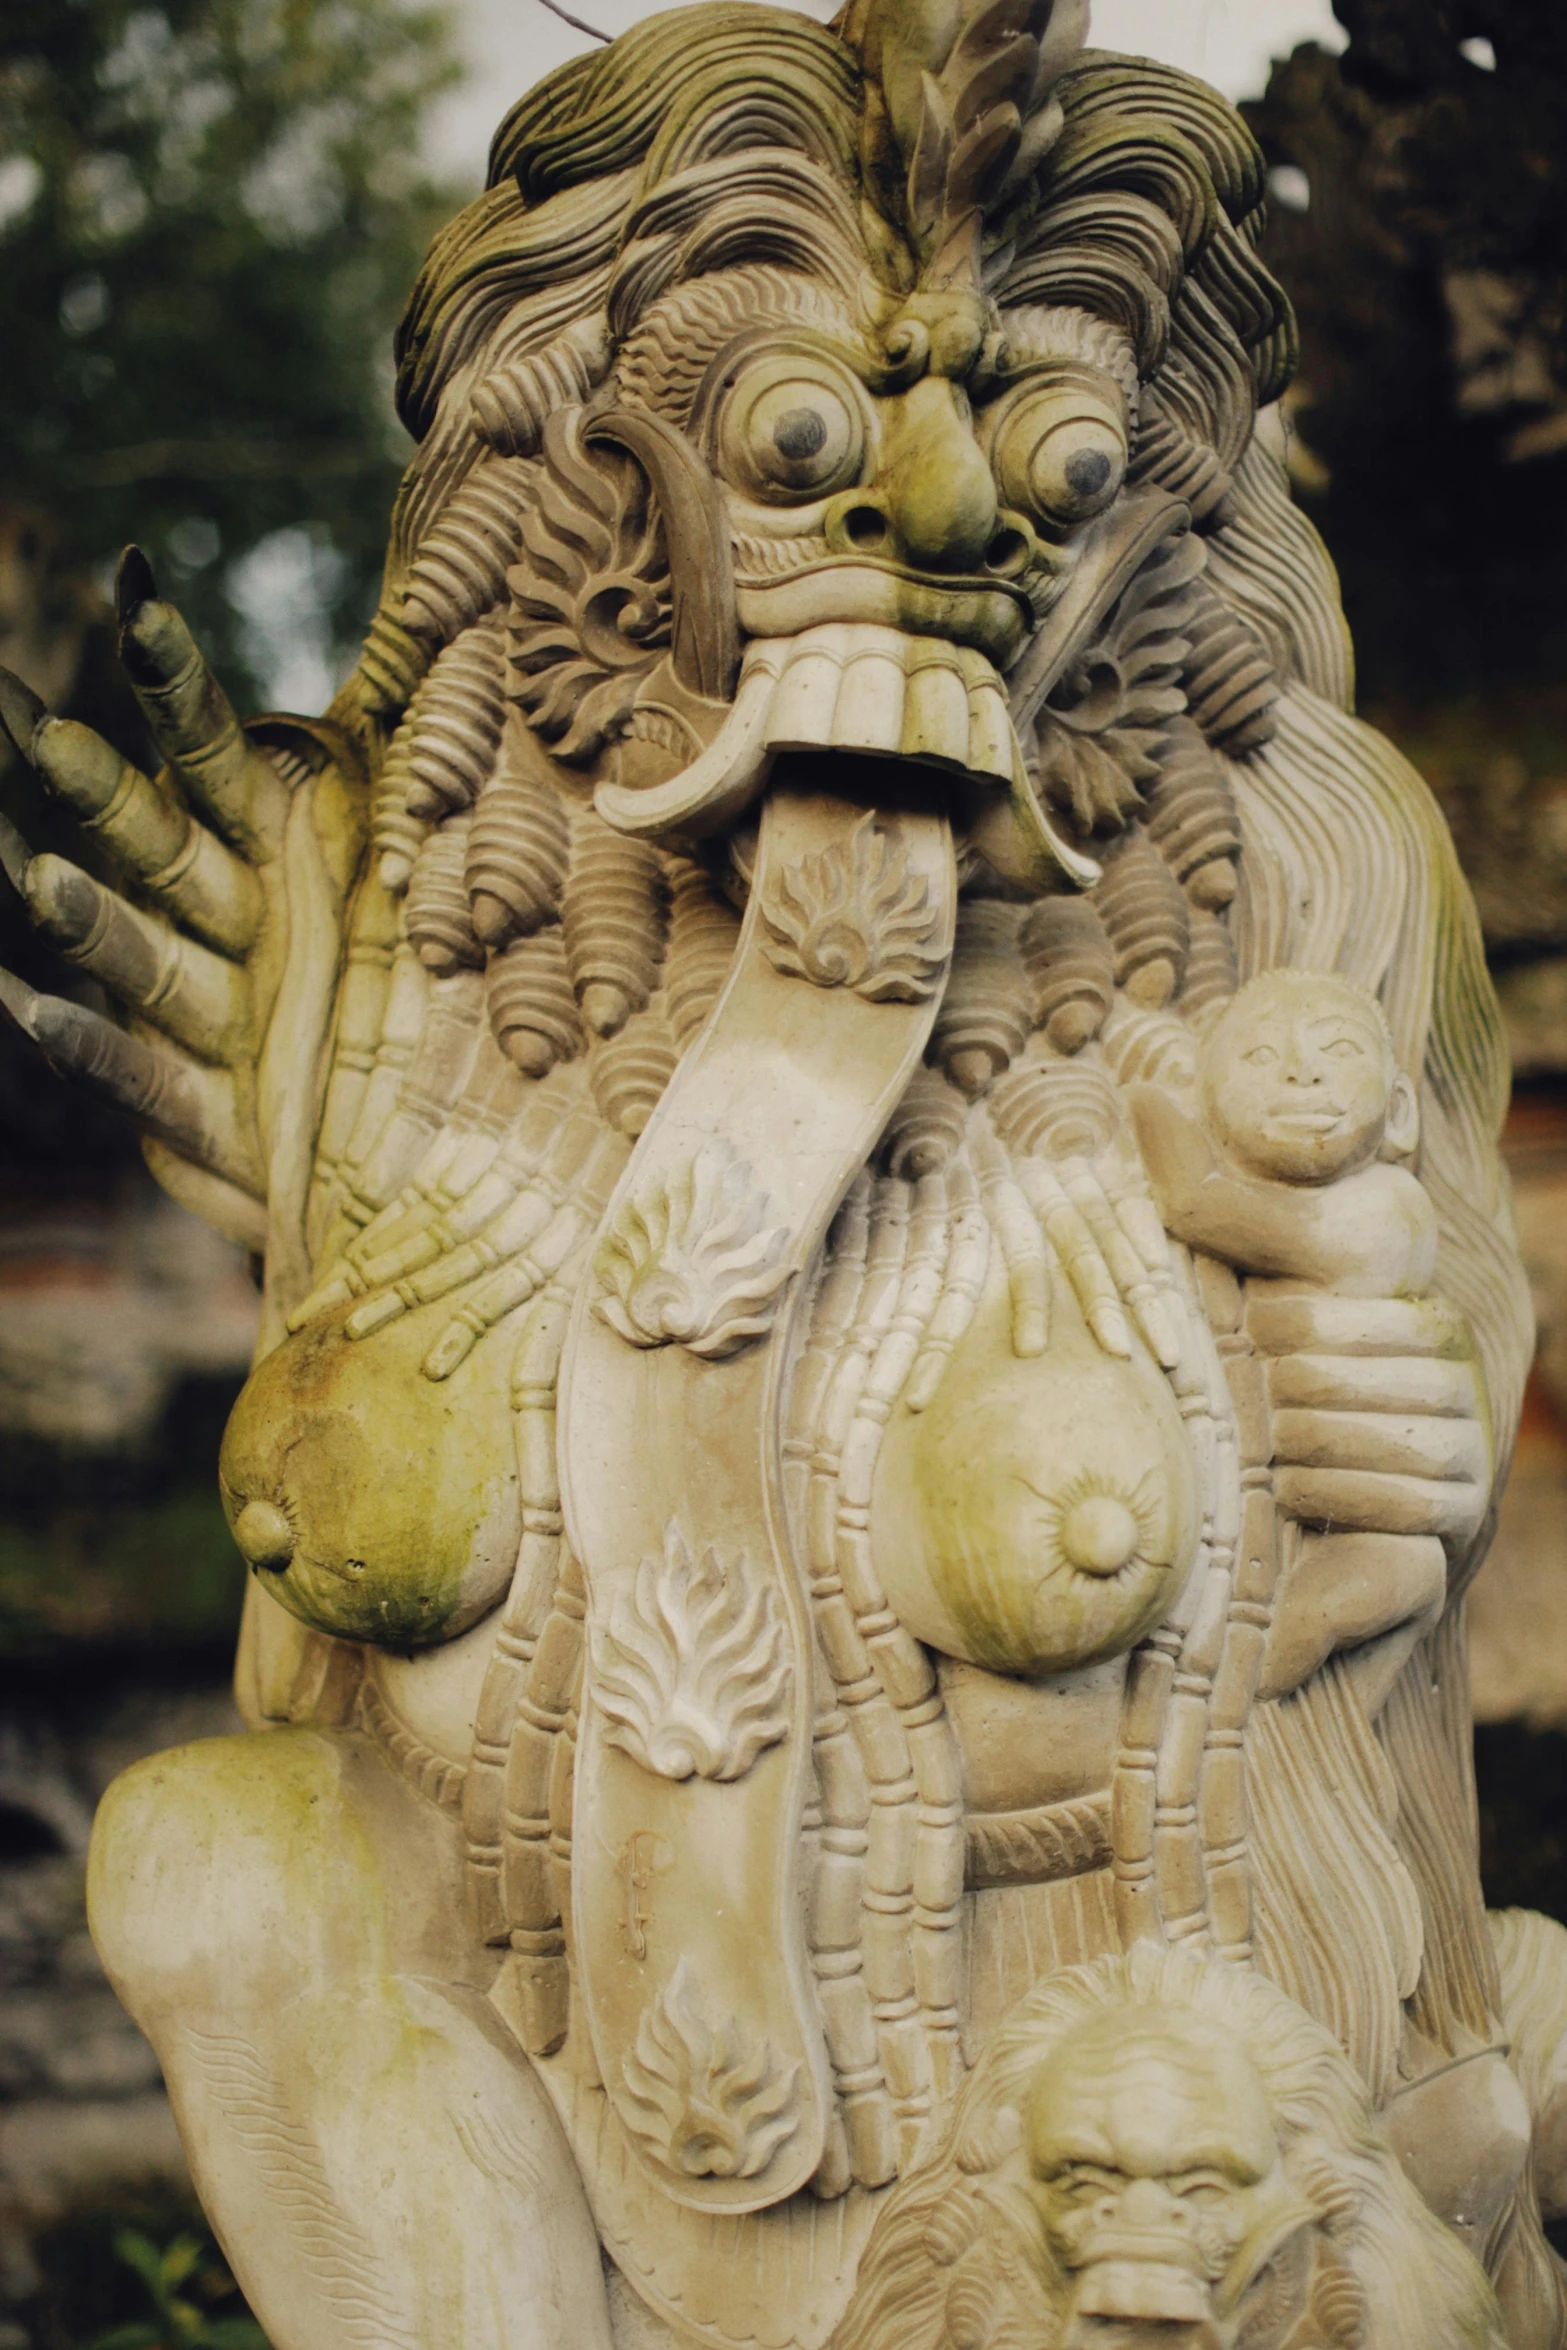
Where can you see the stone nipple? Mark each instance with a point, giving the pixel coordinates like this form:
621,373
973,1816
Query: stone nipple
265,1536
1098,1534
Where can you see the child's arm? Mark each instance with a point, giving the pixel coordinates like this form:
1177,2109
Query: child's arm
1371,1234
1258,1227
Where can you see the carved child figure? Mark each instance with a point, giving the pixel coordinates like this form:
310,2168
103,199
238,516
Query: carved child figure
1293,1174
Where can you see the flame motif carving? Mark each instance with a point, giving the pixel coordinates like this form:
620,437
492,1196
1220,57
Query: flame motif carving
698,2101
691,1665
590,604
695,1259
854,916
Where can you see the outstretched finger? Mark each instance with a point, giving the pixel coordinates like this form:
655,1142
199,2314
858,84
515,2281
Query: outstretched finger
191,1109
1024,1248
192,719
199,999
147,830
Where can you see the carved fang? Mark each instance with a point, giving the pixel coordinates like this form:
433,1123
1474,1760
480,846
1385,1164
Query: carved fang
857,686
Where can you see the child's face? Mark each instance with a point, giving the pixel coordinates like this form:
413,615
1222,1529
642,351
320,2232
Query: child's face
1298,1083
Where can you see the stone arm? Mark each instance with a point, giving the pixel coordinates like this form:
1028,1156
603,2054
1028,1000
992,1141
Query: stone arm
1380,1420
219,939
1266,1228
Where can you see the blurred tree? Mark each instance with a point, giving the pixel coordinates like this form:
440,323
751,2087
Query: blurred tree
1420,224
210,215
210,212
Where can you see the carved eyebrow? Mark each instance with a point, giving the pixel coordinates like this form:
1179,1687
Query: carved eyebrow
664,362
1040,336
1074,2149
1334,1025
1232,2162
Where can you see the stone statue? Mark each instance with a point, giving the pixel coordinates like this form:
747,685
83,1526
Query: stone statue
890,1314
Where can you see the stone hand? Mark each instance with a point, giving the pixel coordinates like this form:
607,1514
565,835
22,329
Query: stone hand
193,944
1098,1223
1379,1414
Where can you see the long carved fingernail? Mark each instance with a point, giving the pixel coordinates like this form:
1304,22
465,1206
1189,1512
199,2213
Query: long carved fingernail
15,856
134,585
21,712
18,1002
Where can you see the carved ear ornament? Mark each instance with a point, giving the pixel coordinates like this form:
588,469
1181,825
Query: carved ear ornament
618,569
1100,734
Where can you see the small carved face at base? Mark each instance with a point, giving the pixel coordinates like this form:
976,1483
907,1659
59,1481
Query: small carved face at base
1038,1515
1163,2152
1158,2180
1300,1080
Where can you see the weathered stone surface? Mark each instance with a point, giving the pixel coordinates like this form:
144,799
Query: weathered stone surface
850,1646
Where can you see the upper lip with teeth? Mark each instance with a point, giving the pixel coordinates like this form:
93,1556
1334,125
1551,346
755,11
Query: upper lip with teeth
992,615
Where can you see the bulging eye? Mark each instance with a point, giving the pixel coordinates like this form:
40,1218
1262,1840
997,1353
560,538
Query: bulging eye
792,428
1059,452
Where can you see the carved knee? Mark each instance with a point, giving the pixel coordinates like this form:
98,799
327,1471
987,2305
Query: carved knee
220,1870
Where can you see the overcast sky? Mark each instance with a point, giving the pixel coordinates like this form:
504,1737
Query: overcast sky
512,42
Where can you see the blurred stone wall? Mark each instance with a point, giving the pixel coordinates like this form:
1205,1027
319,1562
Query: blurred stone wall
1518,1607
83,2117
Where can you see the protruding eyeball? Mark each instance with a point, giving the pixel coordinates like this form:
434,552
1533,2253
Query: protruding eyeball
1100,1534
793,427
265,1537
1059,450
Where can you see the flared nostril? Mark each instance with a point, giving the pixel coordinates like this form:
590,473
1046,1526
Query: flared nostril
1008,552
865,526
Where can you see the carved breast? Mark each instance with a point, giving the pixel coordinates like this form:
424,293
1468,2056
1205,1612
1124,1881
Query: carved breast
1039,1514
374,1503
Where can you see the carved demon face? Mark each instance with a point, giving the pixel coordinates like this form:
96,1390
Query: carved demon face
875,421
1160,2188
926,467
1134,2168
830,410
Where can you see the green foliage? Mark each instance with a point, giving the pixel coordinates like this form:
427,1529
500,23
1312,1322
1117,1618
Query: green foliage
210,213
137,2271
181,2282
